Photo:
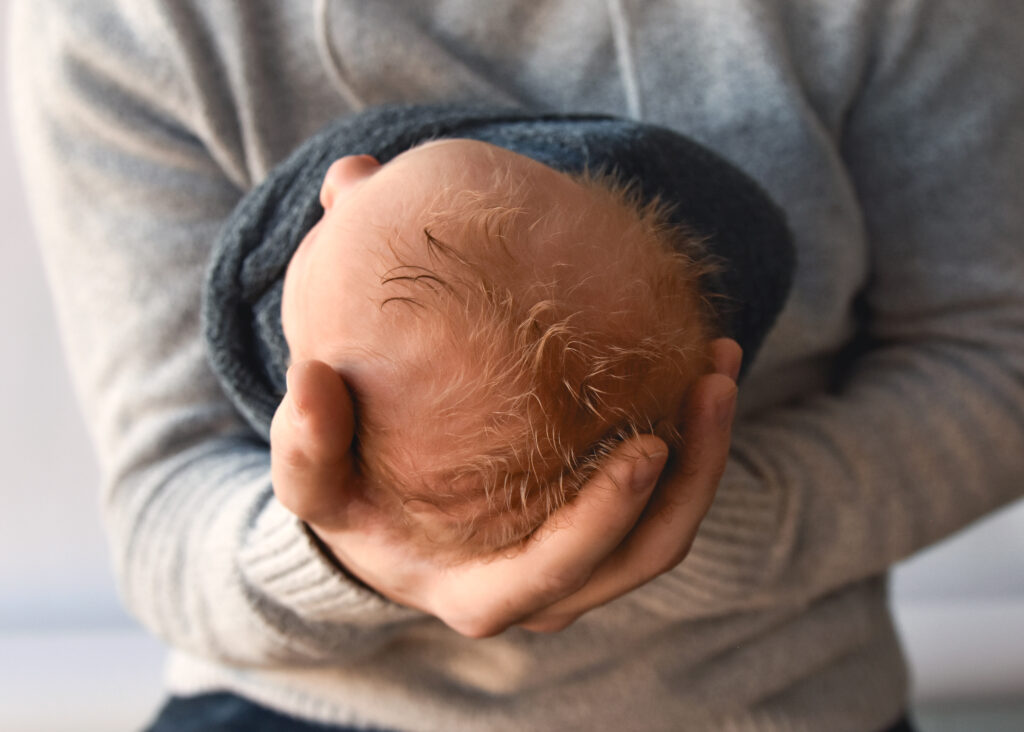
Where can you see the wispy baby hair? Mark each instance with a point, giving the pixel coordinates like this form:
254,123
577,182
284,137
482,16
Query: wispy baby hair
542,341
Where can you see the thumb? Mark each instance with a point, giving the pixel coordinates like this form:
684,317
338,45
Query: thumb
311,462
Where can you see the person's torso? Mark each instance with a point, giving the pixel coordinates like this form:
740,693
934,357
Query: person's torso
740,77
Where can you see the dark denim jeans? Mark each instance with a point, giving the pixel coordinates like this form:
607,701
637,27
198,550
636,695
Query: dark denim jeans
223,712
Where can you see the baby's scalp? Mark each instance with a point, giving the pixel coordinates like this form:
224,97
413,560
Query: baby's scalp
526,321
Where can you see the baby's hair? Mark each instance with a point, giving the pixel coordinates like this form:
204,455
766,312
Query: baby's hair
547,370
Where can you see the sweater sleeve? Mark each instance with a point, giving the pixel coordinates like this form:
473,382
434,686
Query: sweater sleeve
127,199
925,431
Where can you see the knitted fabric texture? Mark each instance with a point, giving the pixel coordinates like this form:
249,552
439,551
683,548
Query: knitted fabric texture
743,229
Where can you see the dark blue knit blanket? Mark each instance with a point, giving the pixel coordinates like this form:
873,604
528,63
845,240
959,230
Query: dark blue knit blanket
242,298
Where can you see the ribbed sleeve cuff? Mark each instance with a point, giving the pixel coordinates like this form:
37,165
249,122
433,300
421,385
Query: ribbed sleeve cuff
734,553
282,561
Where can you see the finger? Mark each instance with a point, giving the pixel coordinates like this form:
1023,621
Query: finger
727,357
564,552
669,526
310,443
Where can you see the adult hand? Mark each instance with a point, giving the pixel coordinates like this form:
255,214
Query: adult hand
616,535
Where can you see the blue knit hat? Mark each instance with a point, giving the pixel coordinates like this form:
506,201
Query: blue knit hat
710,197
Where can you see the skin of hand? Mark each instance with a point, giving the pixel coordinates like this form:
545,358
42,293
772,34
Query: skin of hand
628,524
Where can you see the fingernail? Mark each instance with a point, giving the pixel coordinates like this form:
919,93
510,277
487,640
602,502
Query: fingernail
646,471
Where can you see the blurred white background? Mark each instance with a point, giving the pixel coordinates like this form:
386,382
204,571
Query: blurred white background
70,659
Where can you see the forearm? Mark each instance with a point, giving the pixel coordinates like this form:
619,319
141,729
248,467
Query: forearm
128,200
923,433
841,487
210,562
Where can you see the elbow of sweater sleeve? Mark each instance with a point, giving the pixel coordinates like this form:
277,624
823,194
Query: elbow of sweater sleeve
209,561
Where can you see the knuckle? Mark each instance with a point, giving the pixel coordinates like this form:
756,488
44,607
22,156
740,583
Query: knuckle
289,456
670,560
474,626
549,625
476,618
555,583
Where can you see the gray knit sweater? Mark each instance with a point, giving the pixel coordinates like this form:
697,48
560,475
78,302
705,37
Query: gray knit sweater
885,410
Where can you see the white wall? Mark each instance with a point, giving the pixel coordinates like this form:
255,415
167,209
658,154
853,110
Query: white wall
63,635
70,659
960,609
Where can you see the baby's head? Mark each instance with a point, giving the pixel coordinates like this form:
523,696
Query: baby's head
501,326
